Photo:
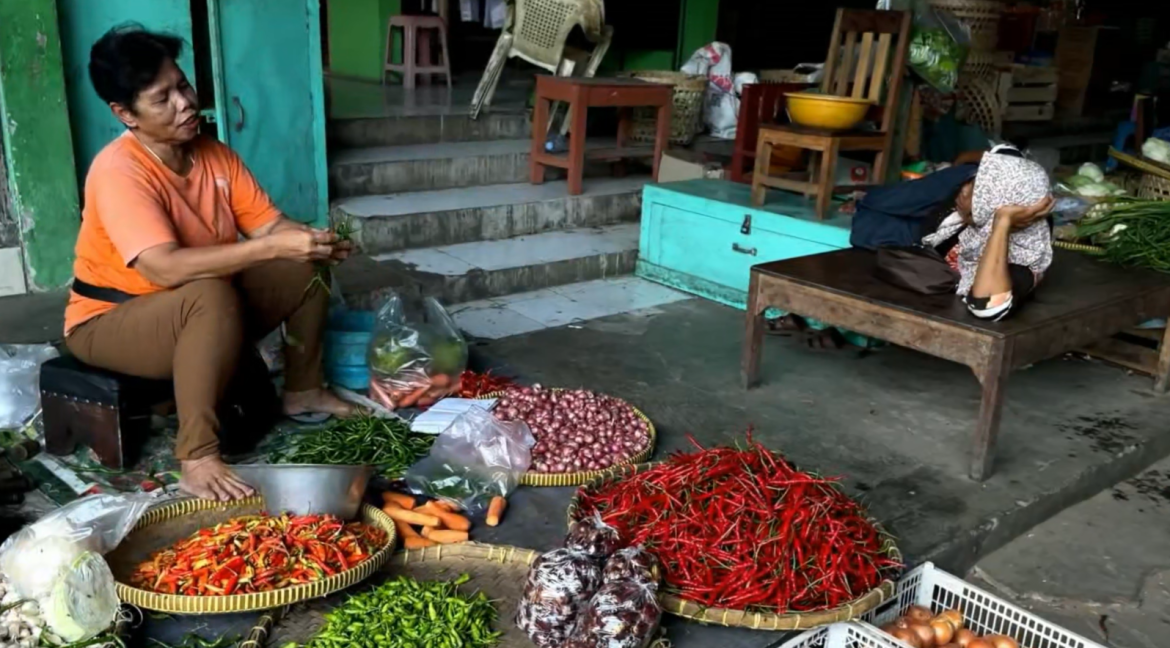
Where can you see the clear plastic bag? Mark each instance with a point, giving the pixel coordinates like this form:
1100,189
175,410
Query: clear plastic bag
592,537
414,361
559,584
938,48
20,392
56,561
631,564
473,460
622,614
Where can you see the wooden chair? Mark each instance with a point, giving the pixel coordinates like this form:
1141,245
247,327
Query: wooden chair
760,103
861,68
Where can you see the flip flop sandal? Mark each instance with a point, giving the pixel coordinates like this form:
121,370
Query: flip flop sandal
786,325
826,340
310,418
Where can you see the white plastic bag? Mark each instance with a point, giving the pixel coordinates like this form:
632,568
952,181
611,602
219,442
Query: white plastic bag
721,105
20,371
416,360
474,460
56,561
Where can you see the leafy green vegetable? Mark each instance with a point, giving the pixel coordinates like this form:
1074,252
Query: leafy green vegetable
1133,232
937,57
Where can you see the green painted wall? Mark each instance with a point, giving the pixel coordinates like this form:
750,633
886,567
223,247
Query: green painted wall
38,145
697,26
357,36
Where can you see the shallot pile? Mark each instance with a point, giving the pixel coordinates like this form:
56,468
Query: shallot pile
575,429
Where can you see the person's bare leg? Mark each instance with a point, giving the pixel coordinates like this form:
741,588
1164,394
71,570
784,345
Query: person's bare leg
284,292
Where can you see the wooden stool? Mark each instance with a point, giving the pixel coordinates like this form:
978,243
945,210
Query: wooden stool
416,49
103,410
582,94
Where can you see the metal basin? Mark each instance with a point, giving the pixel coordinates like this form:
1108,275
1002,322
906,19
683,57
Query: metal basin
308,488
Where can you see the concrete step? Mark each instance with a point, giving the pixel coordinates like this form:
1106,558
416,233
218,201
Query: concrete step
422,167
464,215
469,271
404,130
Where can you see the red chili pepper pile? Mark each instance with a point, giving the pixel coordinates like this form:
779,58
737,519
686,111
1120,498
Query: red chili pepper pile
741,528
474,385
258,553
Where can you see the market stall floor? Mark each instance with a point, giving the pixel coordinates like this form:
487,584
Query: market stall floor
895,423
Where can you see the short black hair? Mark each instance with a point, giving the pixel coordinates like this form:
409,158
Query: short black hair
127,59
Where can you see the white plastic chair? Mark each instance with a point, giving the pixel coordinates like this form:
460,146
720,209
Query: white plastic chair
536,31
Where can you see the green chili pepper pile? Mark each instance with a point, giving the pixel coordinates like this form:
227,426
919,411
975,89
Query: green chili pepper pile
387,444
405,613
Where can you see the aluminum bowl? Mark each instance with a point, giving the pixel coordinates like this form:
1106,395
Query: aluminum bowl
308,488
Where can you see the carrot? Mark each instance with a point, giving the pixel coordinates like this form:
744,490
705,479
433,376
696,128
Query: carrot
405,530
418,542
410,517
452,521
380,395
413,397
441,380
445,536
495,510
401,499
447,506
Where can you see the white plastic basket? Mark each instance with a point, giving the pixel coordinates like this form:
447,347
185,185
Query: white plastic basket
843,635
983,613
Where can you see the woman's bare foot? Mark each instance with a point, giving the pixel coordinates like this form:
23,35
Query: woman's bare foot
317,401
210,478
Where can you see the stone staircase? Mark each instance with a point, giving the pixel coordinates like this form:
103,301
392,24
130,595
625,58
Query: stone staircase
443,208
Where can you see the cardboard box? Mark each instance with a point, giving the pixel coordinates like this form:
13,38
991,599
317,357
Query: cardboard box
681,164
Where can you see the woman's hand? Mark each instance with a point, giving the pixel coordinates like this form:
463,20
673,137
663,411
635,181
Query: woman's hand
302,245
341,251
1017,216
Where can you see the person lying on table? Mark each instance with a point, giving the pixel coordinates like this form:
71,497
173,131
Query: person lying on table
182,259
998,237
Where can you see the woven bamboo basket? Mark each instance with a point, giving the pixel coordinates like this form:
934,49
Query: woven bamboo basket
686,113
1093,250
585,476
982,16
1155,180
171,522
500,571
673,604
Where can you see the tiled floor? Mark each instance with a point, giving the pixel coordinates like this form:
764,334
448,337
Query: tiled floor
521,251
526,312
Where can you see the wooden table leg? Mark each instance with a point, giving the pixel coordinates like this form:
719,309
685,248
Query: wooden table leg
577,113
753,337
828,179
760,171
539,129
993,378
1162,373
662,138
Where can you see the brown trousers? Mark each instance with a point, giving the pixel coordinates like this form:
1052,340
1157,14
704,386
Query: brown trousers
194,334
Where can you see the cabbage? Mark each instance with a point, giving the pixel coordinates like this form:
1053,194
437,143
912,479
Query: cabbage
1095,190
1091,171
37,560
1157,150
1078,181
83,602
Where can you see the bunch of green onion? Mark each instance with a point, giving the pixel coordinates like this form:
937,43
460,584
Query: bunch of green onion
1132,231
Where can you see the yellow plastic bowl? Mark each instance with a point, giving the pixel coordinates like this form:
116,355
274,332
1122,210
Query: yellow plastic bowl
826,111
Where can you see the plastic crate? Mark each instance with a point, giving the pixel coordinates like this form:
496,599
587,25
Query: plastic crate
983,613
843,635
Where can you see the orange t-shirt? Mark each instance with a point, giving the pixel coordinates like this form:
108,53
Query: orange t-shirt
134,202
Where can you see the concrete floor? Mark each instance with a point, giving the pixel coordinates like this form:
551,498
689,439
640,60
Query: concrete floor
355,99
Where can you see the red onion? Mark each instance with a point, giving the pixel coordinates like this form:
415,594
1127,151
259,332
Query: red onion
575,429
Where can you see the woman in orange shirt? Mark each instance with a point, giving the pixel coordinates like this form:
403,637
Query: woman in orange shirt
182,259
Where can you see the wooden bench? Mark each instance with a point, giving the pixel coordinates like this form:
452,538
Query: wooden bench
1079,301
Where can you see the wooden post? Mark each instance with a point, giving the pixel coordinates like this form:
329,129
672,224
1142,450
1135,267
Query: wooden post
992,376
753,337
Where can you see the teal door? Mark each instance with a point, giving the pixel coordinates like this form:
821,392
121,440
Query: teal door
82,22
266,55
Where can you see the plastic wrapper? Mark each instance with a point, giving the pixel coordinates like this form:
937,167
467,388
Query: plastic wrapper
622,614
473,460
592,537
414,361
938,48
20,371
559,584
631,564
56,561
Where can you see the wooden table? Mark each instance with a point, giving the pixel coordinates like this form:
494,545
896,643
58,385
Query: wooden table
1079,301
582,94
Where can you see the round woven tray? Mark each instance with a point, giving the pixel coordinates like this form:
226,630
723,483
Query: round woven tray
672,604
585,476
169,523
499,571
1155,179
686,109
1079,247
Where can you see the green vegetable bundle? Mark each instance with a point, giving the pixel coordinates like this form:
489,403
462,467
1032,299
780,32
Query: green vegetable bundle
387,444
405,613
1133,232
938,49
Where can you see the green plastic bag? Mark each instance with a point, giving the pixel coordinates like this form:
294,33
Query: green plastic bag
939,45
